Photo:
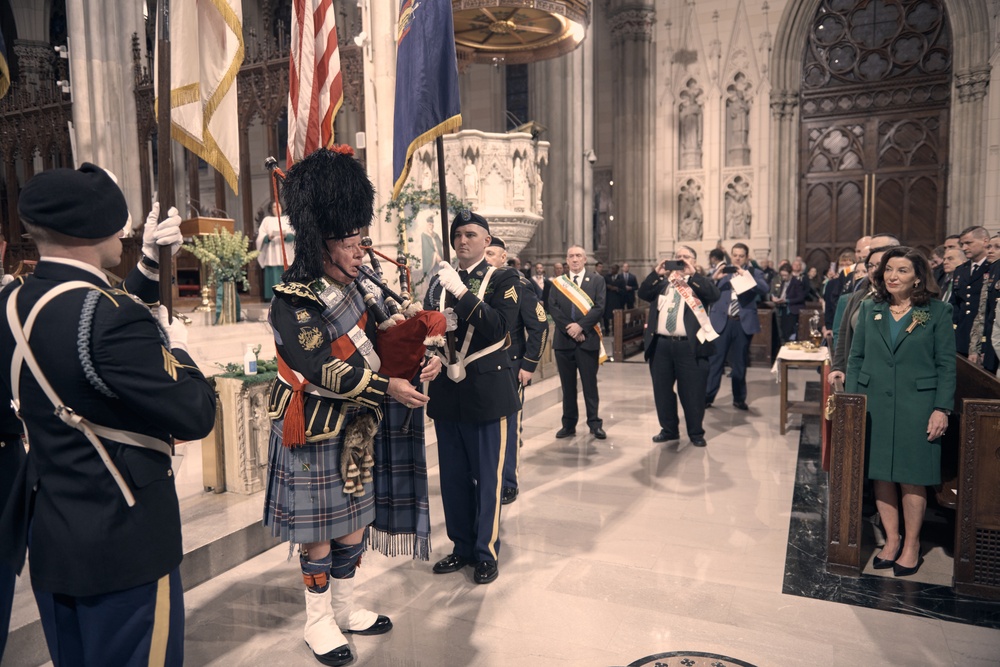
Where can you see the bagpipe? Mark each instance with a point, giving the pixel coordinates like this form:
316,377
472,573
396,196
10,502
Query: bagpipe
405,330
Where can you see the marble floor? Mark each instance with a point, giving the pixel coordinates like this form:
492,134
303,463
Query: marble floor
616,553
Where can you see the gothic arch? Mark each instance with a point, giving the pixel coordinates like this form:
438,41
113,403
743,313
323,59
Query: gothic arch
971,44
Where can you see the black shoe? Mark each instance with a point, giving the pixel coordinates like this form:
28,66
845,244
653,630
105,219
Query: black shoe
486,571
565,432
900,571
698,442
740,405
599,433
337,657
452,563
663,436
885,564
381,626
708,404
508,495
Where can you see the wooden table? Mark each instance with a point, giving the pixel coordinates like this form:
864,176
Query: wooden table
789,358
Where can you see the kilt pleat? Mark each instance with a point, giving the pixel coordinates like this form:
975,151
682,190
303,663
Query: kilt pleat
304,500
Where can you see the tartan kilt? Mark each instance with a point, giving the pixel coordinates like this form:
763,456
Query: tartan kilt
304,500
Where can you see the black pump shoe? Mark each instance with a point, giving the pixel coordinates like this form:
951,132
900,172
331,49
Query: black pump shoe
884,564
901,571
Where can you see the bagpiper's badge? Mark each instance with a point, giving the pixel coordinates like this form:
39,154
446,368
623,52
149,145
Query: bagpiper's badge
302,315
310,338
332,295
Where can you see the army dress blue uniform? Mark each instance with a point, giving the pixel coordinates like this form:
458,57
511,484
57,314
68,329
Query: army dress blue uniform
103,571
527,340
475,416
966,293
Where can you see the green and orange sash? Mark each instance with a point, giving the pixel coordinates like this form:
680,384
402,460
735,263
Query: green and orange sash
582,302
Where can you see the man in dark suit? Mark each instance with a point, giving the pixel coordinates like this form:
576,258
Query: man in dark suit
734,317
627,285
576,303
967,287
678,348
474,405
97,487
528,334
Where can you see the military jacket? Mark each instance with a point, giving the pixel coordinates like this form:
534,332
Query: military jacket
312,333
488,391
531,330
966,292
105,355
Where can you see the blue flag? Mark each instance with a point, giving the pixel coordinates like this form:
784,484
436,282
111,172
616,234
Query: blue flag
427,103
4,70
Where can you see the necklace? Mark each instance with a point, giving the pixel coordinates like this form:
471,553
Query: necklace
898,310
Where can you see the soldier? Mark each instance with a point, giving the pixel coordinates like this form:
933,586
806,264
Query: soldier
474,406
97,487
329,397
527,340
967,287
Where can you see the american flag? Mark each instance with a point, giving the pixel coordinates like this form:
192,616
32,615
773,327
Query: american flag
315,84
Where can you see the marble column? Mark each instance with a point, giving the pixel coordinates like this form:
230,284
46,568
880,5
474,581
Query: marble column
632,234
784,173
967,185
561,99
104,115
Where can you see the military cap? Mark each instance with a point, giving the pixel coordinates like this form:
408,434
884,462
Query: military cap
497,242
467,217
82,203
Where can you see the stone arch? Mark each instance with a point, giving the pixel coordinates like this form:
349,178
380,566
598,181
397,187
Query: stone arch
971,44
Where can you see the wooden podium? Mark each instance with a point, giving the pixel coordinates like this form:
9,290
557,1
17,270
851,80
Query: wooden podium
203,225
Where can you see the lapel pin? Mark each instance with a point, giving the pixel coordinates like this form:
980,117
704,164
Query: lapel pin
878,316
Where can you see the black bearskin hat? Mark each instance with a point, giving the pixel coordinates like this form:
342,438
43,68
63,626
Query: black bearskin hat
327,195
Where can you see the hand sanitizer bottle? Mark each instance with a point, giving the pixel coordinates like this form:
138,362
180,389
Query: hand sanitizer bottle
249,360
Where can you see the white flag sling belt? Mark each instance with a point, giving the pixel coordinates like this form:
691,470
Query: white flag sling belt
93,432
456,371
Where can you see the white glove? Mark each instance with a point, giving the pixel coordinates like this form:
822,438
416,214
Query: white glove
451,319
451,281
165,233
176,331
6,280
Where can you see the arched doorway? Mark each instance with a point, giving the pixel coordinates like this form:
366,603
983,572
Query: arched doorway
874,105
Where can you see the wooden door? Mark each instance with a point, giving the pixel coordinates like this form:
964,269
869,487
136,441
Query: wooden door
876,88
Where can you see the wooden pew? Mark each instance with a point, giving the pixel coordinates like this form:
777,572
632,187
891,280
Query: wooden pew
847,483
760,343
976,472
627,327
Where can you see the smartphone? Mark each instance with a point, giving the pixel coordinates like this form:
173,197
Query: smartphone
673,265
730,269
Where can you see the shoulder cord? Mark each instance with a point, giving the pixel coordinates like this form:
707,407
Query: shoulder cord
83,336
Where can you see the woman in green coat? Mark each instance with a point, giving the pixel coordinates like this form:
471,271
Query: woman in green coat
903,359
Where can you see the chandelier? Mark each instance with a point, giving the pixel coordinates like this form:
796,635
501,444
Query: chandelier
518,31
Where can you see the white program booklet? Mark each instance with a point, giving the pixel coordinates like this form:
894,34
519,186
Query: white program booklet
743,283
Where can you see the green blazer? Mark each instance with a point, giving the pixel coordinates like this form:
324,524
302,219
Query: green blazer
904,383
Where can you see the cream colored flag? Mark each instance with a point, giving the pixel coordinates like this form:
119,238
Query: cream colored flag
206,47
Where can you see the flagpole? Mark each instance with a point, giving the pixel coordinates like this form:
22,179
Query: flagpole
443,190
164,157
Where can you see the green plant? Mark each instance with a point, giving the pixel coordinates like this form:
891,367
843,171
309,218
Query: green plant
226,253
407,206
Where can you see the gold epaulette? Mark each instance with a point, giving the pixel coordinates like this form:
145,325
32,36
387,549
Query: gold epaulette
299,290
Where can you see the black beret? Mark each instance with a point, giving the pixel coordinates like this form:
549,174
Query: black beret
498,242
82,203
467,217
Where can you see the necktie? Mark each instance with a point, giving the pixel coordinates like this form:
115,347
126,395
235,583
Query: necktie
734,306
576,279
572,308
672,313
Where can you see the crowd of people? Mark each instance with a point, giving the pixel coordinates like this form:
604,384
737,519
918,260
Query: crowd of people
347,413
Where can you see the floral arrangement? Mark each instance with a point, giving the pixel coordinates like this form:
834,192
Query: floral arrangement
225,252
920,316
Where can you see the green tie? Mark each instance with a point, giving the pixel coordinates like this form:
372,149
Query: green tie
672,313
